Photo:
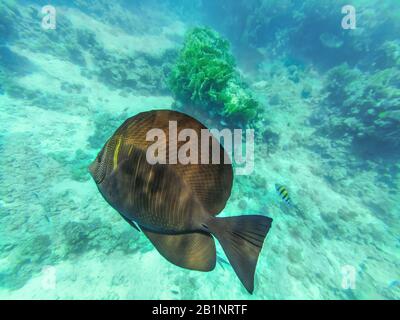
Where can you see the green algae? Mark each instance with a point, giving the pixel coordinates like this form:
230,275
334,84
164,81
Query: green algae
205,76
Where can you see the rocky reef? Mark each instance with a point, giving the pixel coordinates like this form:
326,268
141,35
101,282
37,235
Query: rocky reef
131,70
365,109
307,31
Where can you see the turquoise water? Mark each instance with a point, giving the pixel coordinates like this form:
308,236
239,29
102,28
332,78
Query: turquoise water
327,128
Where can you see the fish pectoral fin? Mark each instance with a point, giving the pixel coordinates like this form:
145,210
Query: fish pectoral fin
133,224
194,251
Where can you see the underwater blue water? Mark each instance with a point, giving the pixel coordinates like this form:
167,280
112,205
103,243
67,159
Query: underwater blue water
327,84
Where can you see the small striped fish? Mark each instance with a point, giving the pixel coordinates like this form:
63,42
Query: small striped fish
283,193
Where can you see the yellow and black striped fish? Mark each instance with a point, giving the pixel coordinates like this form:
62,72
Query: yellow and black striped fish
283,193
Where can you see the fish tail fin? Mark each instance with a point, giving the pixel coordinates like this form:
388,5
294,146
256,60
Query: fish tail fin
241,238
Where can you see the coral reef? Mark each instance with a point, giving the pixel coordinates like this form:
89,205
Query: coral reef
364,108
310,31
143,71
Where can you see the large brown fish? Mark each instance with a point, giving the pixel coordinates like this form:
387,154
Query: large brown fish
176,205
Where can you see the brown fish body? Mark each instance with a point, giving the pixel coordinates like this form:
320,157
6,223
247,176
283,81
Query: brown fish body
154,196
161,197
175,204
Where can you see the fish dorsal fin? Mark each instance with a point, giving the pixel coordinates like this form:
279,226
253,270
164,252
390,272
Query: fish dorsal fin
211,183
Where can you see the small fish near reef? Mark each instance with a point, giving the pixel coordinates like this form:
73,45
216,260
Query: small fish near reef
283,193
174,204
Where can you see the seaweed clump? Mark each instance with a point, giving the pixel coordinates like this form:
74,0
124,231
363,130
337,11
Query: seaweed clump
206,78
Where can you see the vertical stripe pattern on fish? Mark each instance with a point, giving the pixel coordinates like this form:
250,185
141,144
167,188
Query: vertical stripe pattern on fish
283,193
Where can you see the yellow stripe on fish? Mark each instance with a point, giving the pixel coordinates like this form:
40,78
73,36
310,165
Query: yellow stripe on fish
116,152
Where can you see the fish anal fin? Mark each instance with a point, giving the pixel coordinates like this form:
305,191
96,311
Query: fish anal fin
194,251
